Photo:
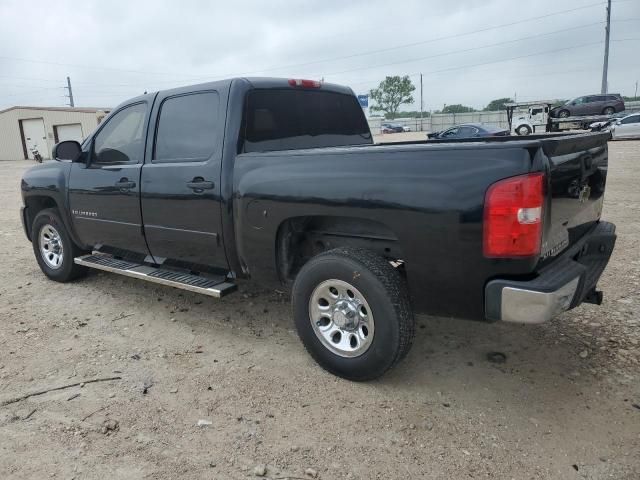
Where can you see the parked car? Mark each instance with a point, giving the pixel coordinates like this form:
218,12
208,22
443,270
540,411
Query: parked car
405,128
470,130
627,127
391,128
590,105
279,181
606,124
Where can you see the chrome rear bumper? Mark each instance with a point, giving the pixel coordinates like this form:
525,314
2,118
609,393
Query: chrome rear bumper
565,283
530,306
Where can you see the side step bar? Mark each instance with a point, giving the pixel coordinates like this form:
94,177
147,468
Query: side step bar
212,286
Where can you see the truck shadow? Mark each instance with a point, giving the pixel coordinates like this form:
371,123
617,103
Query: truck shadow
448,354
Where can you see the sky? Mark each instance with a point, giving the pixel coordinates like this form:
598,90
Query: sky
469,51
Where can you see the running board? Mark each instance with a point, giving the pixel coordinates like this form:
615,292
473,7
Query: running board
212,286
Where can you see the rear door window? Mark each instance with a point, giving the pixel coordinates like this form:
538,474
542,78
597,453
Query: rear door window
187,128
288,119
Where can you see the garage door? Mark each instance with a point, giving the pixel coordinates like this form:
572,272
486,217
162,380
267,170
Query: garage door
35,137
72,131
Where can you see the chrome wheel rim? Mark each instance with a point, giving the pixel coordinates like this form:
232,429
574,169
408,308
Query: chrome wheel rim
51,248
341,318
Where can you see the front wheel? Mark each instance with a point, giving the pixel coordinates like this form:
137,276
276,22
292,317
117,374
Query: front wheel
53,247
352,313
523,130
563,114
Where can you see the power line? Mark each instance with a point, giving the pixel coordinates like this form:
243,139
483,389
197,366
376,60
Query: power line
343,57
506,42
497,61
38,90
432,40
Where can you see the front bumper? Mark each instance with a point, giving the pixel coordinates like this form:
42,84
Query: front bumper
565,283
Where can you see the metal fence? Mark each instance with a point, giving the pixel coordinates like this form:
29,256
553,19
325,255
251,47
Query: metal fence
441,121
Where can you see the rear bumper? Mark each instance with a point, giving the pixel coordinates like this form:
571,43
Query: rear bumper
564,284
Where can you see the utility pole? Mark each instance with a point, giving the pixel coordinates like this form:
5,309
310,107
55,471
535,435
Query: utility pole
605,65
422,105
70,95
635,95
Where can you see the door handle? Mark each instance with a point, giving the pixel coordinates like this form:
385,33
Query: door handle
199,184
125,184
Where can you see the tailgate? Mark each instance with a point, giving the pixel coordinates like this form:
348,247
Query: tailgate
578,171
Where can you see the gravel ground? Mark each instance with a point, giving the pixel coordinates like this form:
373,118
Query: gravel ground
565,404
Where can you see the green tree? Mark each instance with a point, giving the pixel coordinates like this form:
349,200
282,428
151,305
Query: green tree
497,104
457,108
391,93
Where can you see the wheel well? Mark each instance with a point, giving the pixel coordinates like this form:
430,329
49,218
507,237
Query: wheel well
301,238
36,204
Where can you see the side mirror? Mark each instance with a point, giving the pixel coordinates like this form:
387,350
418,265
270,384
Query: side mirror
67,150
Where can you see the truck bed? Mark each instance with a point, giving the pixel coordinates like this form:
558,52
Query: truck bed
427,198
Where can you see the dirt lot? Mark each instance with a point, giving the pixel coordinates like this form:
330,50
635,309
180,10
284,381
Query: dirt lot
564,405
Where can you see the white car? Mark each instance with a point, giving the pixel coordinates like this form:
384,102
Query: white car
626,127
406,129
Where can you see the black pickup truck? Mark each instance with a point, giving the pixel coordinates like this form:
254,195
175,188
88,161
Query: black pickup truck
279,181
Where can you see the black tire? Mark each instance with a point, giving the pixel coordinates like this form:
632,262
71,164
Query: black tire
67,269
563,113
523,130
384,290
608,111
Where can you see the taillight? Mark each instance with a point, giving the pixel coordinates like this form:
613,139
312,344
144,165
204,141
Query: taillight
300,82
513,217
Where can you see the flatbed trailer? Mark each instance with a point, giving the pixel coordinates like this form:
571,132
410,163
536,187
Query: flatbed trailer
537,119
574,123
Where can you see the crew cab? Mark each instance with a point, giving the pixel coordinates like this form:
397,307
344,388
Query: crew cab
279,181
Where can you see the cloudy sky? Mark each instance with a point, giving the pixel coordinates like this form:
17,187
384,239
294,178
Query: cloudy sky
469,51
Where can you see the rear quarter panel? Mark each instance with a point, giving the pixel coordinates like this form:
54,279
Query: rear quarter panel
430,196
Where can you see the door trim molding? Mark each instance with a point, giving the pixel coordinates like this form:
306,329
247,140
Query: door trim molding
79,217
160,227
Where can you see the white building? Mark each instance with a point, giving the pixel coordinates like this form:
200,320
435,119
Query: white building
23,129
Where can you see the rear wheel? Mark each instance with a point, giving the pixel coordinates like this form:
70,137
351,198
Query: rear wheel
352,313
53,247
609,111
